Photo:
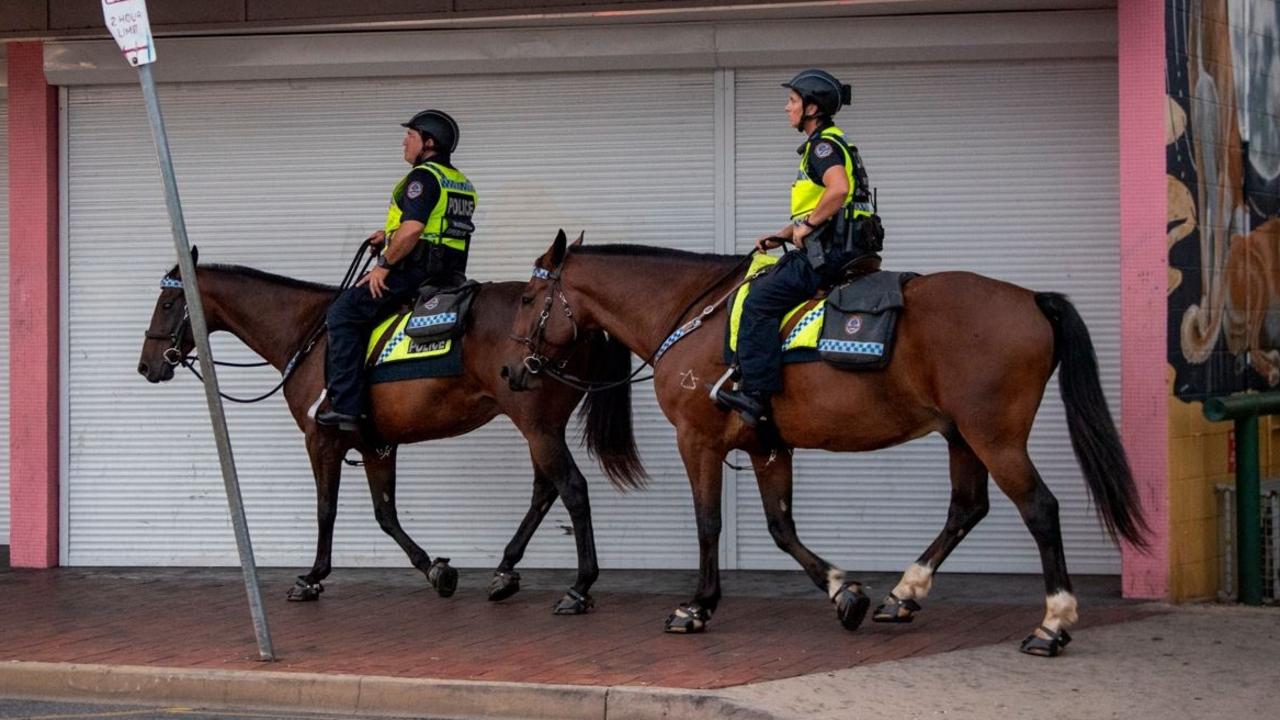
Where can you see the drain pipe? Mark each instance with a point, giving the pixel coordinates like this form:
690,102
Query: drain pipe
1244,409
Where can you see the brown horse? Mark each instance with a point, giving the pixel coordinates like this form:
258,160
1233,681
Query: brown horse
275,316
972,360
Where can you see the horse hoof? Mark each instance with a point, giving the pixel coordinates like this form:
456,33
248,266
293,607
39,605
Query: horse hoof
504,585
443,577
688,619
851,605
303,591
893,610
574,603
1046,647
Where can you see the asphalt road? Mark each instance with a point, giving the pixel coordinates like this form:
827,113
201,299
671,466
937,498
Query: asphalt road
15,709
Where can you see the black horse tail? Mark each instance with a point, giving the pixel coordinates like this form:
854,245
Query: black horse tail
1093,433
606,415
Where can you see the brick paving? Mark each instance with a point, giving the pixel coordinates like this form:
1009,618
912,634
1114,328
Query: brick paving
387,622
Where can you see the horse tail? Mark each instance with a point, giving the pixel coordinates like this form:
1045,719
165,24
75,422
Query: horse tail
606,415
1093,433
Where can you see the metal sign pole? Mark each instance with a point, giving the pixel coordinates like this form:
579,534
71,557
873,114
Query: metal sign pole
127,20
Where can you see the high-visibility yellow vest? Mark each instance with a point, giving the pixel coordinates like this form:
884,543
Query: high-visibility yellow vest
450,223
805,193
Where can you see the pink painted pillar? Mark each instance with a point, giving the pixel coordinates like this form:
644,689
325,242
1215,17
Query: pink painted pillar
33,310
1144,277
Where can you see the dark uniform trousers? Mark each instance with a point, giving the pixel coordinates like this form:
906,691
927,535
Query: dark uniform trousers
792,281
350,318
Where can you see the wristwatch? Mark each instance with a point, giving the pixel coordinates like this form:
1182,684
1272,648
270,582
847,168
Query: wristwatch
810,225
382,262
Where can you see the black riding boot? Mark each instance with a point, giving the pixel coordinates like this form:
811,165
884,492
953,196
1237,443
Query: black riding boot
752,405
342,421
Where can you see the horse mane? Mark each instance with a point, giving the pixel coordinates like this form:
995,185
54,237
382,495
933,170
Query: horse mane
627,250
256,274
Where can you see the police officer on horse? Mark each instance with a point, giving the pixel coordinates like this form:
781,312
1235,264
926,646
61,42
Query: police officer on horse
832,227
425,240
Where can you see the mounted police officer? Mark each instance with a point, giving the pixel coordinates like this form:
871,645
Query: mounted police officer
832,226
425,239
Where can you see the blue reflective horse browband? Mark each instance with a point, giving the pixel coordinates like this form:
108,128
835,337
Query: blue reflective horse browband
541,274
168,282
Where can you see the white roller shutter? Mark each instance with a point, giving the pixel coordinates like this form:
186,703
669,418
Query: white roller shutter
287,177
1007,169
4,321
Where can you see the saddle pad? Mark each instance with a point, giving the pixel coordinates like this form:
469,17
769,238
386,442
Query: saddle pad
804,334
403,358
872,297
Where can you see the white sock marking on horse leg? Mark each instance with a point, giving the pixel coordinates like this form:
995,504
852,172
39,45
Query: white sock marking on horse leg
835,578
1060,611
915,583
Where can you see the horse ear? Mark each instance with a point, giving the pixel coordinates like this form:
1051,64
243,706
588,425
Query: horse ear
556,253
579,240
195,255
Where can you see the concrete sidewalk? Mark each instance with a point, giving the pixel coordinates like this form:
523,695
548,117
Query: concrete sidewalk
1192,662
381,642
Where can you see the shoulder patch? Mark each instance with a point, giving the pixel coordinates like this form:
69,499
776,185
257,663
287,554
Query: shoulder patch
823,149
414,189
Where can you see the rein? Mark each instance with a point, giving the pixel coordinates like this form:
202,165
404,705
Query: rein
173,355
537,363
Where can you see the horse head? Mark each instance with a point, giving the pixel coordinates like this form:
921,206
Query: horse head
545,323
168,338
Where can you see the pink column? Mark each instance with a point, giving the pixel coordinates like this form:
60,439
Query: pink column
33,310
1144,277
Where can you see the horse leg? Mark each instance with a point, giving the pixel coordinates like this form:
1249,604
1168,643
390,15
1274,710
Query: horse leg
381,474
326,467
552,459
774,476
969,505
506,581
1017,477
702,463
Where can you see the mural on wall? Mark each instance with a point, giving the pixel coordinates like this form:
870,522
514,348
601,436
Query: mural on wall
1223,162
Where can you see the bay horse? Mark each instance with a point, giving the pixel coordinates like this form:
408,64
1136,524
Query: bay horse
972,360
275,316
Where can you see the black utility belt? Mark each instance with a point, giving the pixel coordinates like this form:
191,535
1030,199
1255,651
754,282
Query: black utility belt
434,247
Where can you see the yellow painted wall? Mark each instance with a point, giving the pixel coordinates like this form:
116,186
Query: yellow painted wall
1199,460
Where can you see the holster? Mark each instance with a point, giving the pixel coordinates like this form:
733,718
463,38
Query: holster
814,250
438,261
859,236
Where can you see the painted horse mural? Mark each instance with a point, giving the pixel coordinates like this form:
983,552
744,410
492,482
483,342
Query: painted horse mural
1223,160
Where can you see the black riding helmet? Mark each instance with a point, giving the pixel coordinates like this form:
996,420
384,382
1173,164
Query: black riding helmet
822,89
440,126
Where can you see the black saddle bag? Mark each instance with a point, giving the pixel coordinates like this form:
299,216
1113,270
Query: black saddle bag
860,321
441,313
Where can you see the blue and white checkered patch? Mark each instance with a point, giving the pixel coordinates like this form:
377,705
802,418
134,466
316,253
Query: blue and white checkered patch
390,346
850,347
431,320
814,315
168,282
541,274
